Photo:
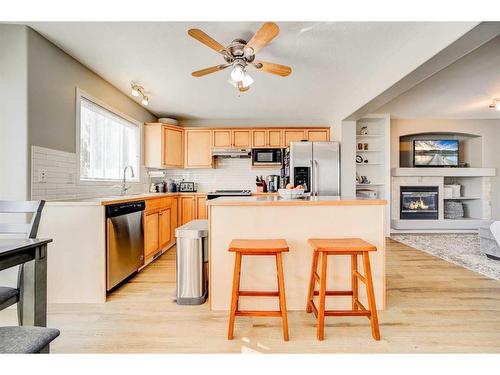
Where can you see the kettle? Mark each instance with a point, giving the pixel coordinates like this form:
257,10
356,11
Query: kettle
273,183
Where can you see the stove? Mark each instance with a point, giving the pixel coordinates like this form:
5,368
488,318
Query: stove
228,193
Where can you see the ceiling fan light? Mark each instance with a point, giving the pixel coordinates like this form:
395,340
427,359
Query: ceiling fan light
247,80
134,92
145,101
237,73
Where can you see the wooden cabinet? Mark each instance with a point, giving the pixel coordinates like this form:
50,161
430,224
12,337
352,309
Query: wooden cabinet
187,207
264,138
192,207
259,138
227,138
318,135
198,153
151,233
201,207
160,221
294,135
222,138
163,146
274,138
241,138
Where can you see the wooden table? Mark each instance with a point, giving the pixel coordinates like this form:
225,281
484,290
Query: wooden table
33,290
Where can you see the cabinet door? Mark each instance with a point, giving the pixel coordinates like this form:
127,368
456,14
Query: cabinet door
318,135
222,138
274,138
292,135
151,235
259,138
187,209
174,217
201,207
165,229
198,149
241,138
172,148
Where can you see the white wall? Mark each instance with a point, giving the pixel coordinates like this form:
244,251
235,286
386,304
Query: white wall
13,113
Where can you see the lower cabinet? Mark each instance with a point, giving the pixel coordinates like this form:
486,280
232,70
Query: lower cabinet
201,207
192,207
160,222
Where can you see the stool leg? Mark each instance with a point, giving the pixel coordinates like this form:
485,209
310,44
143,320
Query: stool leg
235,294
281,288
312,281
322,294
354,281
371,296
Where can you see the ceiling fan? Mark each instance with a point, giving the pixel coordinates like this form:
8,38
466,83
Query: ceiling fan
240,54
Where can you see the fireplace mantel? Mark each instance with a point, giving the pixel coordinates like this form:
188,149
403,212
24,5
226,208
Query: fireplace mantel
443,172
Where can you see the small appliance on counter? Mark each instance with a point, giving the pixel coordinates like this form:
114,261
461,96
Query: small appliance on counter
273,183
171,186
261,185
187,187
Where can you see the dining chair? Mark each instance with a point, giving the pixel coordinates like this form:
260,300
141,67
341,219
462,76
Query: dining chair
8,295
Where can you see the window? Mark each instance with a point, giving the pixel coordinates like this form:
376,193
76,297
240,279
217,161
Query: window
108,143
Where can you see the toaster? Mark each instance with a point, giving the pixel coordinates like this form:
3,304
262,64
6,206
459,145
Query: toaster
187,187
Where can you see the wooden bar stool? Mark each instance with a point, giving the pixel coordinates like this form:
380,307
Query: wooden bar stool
272,247
342,246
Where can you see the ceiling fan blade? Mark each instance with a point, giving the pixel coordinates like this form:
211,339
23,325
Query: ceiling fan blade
281,70
212,69
206,40
263,36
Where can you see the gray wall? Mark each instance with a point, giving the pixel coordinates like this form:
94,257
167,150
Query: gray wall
14,170
53,78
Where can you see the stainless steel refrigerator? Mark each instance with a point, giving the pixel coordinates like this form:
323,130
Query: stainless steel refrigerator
316,165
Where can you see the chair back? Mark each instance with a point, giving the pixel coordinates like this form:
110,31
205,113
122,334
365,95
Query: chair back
19,207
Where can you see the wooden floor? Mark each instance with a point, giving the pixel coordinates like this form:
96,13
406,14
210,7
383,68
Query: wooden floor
433,307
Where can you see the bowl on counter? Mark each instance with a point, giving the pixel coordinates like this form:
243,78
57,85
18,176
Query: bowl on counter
291,193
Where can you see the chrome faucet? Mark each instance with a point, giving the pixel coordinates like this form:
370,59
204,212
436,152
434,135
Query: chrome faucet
124,181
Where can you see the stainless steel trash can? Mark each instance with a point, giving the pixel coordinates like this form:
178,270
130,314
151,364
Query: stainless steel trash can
192,262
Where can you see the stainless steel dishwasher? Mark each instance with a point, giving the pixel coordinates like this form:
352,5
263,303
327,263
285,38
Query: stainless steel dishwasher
124,241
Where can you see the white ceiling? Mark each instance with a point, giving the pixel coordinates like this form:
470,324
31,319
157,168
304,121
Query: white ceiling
337,66
463,90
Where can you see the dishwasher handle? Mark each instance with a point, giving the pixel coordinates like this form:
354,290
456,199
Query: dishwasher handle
120,209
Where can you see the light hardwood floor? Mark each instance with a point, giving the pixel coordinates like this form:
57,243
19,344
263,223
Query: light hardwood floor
433,307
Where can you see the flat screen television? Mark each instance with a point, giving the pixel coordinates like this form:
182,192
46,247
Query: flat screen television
435,153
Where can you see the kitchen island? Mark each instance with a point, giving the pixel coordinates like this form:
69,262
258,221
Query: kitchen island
295,221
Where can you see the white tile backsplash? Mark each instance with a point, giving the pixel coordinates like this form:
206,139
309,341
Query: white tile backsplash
61,178
229,174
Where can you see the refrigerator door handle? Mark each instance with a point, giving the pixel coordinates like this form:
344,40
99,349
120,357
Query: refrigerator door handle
316,177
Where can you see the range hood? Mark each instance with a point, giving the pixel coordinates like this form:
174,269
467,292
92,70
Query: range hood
231,152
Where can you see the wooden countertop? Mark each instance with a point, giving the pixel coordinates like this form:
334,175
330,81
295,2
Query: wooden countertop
310,201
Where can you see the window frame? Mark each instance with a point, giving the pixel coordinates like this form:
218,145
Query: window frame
105,181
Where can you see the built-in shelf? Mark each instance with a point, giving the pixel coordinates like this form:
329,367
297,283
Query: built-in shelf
466,223
370,184
369,135
369,164
369,150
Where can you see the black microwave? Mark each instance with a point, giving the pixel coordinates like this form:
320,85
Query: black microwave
267,156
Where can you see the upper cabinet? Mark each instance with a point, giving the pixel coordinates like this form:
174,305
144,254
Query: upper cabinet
294,135
227,138
198,153
264,138
163,146
318,135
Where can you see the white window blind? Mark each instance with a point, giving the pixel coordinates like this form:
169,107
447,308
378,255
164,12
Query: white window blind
108,143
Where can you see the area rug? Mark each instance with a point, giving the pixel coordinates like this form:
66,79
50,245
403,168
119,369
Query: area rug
461,249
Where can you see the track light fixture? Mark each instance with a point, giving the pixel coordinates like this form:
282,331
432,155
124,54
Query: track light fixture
495,104
137,91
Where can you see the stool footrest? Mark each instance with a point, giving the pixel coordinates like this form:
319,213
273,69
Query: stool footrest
251,293
335,293
346,313
257,313
360,305
316,276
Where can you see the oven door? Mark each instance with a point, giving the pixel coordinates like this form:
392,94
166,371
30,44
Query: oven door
267,156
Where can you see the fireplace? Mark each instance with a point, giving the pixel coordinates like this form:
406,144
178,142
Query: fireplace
419,202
